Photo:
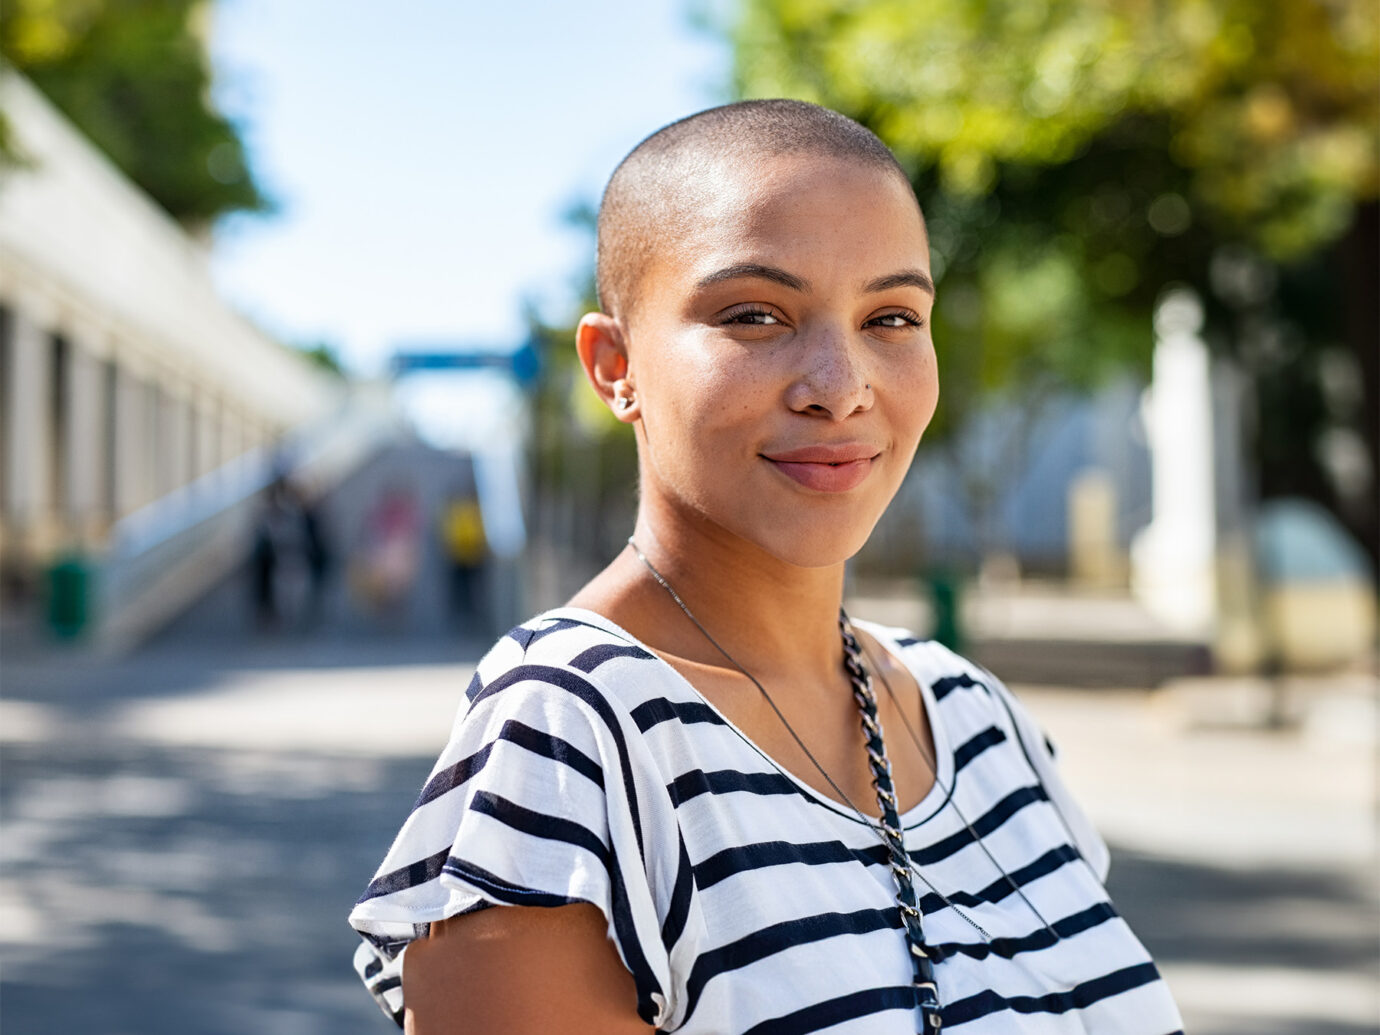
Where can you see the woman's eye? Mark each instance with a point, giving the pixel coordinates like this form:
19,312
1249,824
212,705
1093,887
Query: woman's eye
895,320
752,317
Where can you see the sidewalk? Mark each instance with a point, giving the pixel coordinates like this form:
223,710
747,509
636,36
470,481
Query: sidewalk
1244,857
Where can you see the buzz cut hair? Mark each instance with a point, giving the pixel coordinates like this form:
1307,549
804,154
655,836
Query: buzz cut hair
651,194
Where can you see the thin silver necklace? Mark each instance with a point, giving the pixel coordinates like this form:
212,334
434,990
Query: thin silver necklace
949,797
868,822
923,980
952,799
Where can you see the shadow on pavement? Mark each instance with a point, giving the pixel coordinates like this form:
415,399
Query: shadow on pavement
1263,918
190,891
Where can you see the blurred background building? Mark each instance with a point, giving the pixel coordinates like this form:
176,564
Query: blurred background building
1150,493
138,407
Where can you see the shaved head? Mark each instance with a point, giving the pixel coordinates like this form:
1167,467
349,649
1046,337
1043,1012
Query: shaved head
658,191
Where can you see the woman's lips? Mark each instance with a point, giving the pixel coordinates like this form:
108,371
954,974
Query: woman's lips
829,470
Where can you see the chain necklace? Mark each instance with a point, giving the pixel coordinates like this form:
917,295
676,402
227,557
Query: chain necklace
952,800
949,796
927,992
890,831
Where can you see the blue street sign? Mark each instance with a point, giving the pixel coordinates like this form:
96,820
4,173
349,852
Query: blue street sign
523,363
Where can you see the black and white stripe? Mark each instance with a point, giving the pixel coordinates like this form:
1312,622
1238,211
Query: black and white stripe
585,769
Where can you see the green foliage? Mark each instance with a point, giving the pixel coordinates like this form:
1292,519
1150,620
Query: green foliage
563,392
584,460
1271,108
325,356
134,77
1075,158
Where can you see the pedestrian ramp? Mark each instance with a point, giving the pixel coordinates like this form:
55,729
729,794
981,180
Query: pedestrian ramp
386,566
167,555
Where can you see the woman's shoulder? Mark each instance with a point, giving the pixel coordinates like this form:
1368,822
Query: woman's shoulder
569,647
542,796
573,634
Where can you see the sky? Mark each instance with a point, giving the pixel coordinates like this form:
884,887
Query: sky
423,154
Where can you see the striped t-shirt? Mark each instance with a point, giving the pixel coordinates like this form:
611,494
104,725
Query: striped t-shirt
583,768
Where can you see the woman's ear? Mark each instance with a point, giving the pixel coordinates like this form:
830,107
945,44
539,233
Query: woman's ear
603,353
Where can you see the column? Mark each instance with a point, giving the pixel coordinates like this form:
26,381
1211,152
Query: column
6,420
1094,559
231,434
82,442
110,389
157,437
207,416
132,455
176,441
1173,559
28,441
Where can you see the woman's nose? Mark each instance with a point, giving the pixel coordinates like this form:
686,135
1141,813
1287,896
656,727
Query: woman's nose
834,382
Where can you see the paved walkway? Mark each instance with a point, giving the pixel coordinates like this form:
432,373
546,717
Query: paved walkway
183,832
1244,857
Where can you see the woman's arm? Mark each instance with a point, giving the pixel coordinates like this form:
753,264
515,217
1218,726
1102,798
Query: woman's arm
511,969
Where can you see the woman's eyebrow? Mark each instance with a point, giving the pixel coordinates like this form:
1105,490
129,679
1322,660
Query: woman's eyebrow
906,278
752,269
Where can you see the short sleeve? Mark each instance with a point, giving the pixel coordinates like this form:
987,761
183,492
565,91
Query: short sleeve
542,797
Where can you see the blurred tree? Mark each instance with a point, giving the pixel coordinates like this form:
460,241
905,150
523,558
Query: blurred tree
584,460
324,355
134,76
1074,159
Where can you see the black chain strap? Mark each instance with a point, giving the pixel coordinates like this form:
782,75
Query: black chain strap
926,991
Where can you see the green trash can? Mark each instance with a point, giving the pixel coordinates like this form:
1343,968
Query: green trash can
69,592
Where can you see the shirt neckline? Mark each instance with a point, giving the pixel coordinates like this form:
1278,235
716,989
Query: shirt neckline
922,811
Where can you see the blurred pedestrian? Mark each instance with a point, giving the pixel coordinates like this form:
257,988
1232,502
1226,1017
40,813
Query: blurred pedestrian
386,564
319,551
291,557
466,549
279,554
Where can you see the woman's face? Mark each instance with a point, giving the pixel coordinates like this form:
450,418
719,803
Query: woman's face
781,357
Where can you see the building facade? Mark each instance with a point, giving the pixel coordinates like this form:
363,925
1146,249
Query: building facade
123,376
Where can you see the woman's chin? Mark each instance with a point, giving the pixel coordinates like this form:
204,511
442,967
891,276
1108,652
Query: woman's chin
809,547
824,556
793,533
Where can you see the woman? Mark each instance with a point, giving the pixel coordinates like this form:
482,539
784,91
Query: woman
705,799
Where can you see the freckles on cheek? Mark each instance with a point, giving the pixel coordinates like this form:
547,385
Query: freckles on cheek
691,396
707,393
919,396
926,375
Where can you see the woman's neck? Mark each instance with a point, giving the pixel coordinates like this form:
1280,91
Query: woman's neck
777,620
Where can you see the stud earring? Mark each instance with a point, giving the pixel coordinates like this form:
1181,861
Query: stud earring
622,402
